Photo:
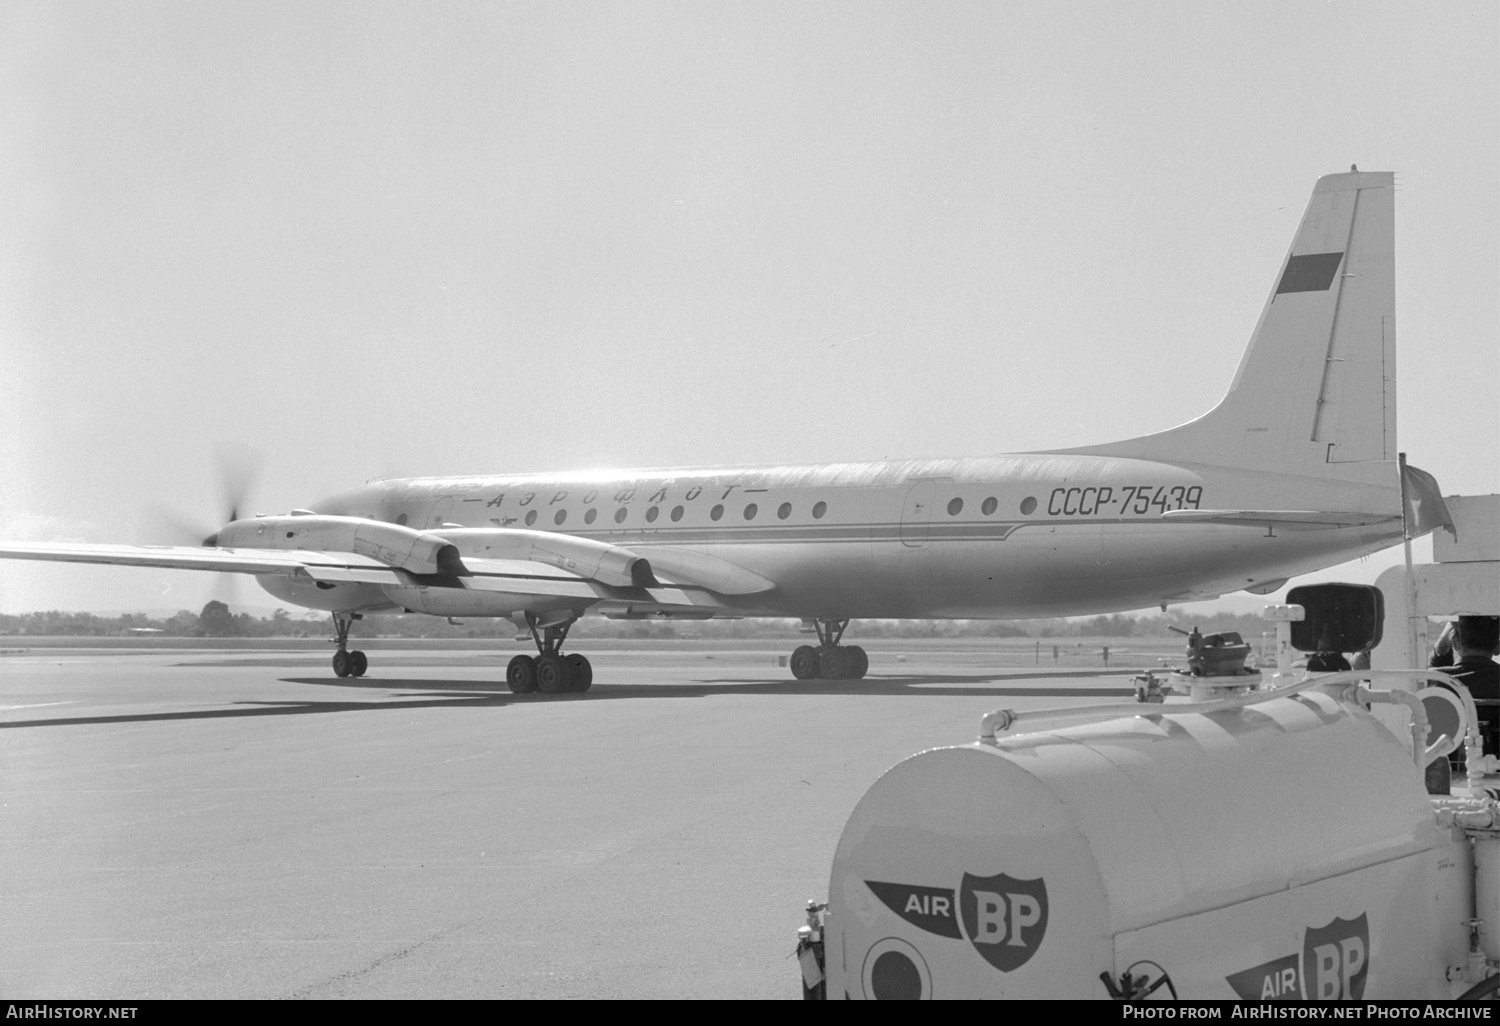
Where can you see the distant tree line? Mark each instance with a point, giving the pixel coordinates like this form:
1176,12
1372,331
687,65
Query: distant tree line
216,620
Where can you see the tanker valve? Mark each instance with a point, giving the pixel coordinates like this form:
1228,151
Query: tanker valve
810,953
1134,988
1475,967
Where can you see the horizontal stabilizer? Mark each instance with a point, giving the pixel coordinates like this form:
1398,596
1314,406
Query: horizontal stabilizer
1291,519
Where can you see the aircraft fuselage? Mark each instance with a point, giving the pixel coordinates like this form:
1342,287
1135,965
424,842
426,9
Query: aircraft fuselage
995,537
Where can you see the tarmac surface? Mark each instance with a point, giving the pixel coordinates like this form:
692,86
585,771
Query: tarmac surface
243,824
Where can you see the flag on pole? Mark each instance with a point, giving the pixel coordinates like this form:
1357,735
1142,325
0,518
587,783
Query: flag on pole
1422,507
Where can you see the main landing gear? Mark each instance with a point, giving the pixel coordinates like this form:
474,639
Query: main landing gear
551,672
346,663
830,660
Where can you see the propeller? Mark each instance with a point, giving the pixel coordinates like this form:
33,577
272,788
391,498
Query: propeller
238,467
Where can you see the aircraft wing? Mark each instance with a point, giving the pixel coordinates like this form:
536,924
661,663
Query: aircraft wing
1290,519
495,575
185,557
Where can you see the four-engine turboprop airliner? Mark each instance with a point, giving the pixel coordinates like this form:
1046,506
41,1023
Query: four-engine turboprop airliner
1295,469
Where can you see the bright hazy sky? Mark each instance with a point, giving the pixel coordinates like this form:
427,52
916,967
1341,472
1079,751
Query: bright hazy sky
373,239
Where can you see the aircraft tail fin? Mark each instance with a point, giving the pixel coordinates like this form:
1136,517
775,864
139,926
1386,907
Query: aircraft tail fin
1315,392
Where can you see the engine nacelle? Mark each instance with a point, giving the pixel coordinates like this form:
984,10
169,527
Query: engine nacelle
419,552
369,598
597,561
1282,850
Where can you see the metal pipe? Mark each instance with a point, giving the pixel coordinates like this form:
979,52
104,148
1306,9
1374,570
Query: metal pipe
1421,751
1000,720
1487,891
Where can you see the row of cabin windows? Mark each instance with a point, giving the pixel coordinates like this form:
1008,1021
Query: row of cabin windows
652,513
989,505
955,507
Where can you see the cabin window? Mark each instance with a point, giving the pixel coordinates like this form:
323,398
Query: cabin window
819,509
751,510
784,510
955,507
401,520
989,505
620,514
562,515
716,513
588,518
1028,504
651,515
531,518
676,514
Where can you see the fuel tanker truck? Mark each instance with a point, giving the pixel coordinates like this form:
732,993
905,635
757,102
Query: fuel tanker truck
1274,840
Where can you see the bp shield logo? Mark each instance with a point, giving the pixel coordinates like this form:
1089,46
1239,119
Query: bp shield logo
1005,918
1333,965
1335,960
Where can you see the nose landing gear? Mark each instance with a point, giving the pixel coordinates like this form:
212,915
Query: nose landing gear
550,672
346,663
830,660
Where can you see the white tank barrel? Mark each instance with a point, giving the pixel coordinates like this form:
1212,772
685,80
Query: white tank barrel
1247,853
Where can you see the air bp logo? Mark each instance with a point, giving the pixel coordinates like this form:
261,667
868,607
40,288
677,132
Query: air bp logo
1004,918
1335,960
1333,965
928,908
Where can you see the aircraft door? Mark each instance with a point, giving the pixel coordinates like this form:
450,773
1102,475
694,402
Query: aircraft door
441,512
916,514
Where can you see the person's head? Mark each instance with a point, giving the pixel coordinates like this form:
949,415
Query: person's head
1476,635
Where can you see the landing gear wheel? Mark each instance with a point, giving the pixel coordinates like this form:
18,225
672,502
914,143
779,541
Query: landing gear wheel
806,662
521,674
859,662
342,664
835,663
358,664
552,676
582,671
